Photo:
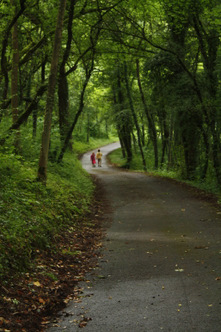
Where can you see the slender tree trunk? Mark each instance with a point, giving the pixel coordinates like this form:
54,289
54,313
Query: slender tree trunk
41,90
63,103
134,117
4,63
216,151
42,169
122,147
63,93
206,163
34,123
15,80
117,125
70,131
153,133
165,133
123,122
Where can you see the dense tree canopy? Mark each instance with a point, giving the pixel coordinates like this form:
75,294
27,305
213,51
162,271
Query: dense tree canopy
149,69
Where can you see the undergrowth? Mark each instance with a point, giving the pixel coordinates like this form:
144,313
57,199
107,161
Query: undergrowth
32,215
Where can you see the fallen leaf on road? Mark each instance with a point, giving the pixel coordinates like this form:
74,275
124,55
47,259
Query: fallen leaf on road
84,322
179,270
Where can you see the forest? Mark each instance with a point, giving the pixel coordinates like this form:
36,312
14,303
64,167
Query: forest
80,69
76,74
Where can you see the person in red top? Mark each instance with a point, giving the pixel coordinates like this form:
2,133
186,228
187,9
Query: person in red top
93,159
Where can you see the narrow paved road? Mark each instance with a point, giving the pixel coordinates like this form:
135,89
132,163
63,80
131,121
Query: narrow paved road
161,264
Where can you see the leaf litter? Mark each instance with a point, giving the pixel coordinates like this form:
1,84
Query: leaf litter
30,302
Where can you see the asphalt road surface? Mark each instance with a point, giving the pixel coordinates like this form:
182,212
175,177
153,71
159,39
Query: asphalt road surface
161,263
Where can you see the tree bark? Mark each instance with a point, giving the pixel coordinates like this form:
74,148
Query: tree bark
153,132
70,131
42,168
4,63
41,91
15,79
123,121
209,43
134,117
117,124
63,93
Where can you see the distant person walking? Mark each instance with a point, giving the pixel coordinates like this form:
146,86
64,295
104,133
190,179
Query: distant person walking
99,158
93,159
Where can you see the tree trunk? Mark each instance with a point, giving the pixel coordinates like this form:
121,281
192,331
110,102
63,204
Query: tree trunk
152,128
63,94
209,43
63,103
166,136
4,63
123,121
42,168
117,125
135,118
15,80
35,109
70,131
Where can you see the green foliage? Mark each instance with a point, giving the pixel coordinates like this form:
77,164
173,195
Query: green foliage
31,214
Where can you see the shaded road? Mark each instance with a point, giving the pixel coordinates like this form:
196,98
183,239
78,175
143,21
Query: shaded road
161,264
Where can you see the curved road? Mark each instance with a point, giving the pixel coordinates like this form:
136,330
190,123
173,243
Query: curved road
161,264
